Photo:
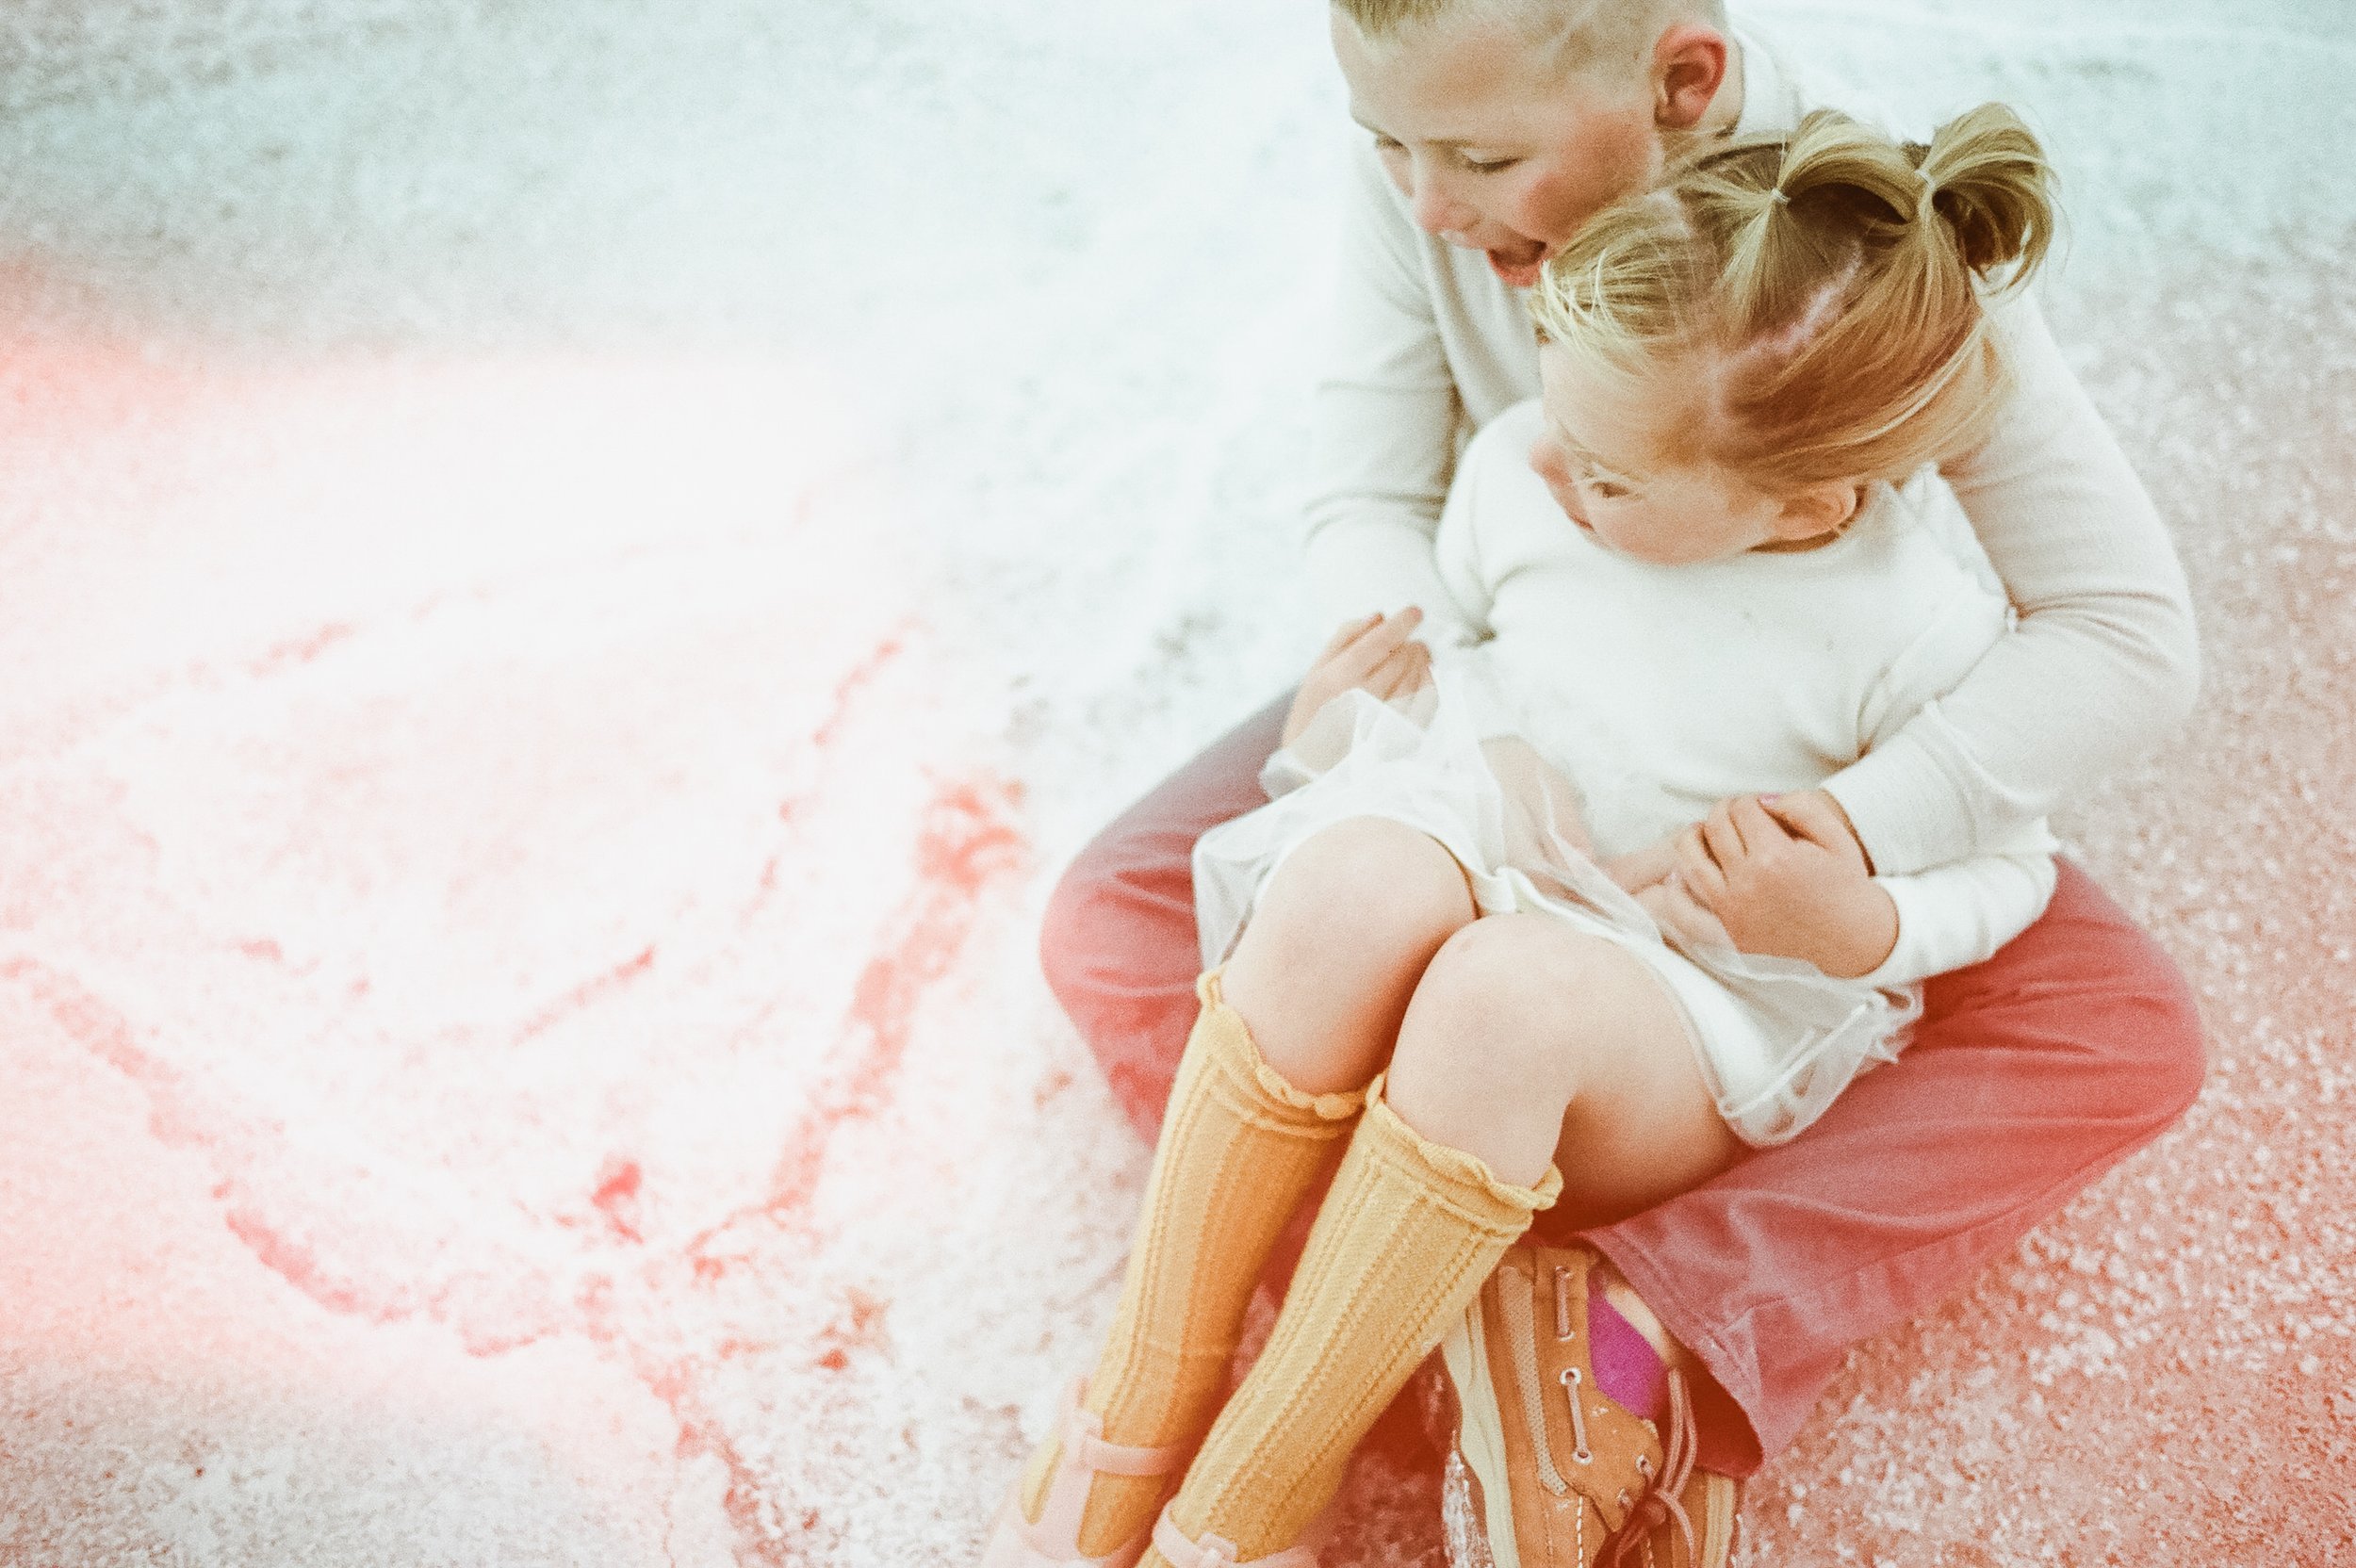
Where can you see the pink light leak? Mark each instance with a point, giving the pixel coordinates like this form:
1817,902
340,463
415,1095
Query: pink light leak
567,591
498,817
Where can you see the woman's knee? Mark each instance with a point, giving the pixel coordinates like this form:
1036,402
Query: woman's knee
2174,1044
1121,918
2085,1007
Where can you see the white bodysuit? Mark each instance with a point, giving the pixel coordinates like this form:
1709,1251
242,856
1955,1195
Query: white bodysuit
1656,692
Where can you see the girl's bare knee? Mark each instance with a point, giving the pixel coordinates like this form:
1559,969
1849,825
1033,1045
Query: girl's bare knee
1397,889
1333,952
1520,1000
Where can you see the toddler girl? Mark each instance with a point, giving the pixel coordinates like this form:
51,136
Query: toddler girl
1728,562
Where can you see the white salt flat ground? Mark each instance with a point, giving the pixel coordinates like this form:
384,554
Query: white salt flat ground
569,574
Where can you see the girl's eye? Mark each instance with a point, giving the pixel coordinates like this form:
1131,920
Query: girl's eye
1384,144
1605,488
1489,165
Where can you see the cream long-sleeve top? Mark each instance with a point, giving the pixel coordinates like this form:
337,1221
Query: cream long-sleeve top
1659,690
2103,662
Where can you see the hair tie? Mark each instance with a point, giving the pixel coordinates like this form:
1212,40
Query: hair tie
1777,197
1925,205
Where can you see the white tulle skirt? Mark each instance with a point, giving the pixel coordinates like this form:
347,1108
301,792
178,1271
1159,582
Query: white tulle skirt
1778,1039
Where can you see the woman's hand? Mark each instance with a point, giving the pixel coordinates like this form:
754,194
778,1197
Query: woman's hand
1785,875
1373,655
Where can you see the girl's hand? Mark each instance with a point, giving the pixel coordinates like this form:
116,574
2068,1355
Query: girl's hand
1814,815
1785,875
1641,869
1371,655
1674,910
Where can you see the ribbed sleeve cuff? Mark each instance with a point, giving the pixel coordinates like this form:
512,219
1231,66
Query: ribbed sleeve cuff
1908,813
1905,963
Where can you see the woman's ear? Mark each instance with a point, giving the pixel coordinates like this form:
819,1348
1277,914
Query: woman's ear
1689,66
1818,510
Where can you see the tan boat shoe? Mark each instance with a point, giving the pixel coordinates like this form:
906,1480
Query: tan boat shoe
1541,1469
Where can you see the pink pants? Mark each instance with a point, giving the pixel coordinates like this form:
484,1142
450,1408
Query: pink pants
2028,1076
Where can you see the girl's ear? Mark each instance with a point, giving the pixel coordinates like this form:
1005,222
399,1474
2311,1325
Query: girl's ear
1689,66
1818,510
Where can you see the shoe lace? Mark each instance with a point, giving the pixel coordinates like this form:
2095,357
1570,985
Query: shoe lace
1663,1500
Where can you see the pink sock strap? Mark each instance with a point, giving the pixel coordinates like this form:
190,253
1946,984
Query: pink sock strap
1083,1438
1214,1552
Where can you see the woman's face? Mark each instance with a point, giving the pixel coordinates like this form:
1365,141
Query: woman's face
1495,147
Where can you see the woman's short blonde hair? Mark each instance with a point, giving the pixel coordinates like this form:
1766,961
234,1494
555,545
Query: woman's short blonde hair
1576,32
1822,294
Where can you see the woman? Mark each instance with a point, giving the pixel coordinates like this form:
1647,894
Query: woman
1495,133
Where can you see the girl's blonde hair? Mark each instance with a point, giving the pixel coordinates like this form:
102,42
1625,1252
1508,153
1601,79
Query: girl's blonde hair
1827,287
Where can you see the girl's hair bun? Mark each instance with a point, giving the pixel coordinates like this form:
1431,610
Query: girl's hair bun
1983,175
1988,178
1838,280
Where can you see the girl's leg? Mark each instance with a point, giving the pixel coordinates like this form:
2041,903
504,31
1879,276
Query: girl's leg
1618,1104
1520,1036
2076,1046
1250,1131
1337,944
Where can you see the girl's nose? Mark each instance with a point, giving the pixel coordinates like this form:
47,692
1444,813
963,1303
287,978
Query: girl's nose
1547,460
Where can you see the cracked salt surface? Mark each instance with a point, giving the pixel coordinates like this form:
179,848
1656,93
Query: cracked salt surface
575,573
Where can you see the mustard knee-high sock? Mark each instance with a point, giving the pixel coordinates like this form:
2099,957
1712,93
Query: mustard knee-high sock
1401,1243
1240,1147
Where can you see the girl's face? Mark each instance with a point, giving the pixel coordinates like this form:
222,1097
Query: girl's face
1494,148
1603,460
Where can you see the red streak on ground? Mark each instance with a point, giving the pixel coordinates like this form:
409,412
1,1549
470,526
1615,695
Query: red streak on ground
860,675
179,1120
588,991
298,650
294,1262
107,1034
865,671
968,841
861,1328
617,1197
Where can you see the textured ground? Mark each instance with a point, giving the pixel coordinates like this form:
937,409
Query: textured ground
570,574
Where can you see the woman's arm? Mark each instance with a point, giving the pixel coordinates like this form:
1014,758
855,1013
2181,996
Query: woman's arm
2102,666
1385,418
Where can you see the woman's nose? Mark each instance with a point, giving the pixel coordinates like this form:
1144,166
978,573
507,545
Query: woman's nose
1436,208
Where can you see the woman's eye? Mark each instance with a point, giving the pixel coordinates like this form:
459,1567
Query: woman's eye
1384,144
1606,489
1490,166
